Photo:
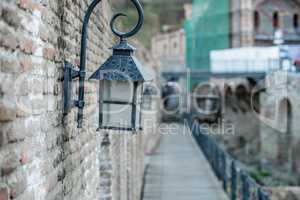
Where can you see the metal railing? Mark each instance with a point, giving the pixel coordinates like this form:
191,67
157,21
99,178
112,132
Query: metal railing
236,182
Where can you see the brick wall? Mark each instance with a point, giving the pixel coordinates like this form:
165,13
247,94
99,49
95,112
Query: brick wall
42,157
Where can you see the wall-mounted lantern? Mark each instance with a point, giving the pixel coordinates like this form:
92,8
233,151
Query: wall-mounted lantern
206,100
149,92
120,78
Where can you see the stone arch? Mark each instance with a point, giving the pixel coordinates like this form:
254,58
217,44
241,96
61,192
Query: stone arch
229,100
254,95
228,95
285,137
296,21
242,95
212,94
256,20
276,20
252,82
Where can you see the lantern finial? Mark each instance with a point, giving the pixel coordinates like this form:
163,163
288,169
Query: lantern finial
138,26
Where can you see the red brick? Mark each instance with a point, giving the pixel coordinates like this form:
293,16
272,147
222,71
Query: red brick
26,63
20,113
44,34
25,158
36,6
25,4
3,194
49,53
27,46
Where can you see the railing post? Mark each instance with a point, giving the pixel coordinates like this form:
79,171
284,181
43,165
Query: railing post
266,197
262,195
217,160
245,187
224,170
233,181
211,153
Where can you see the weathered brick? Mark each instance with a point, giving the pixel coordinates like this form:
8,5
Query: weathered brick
44,33
11,16
25,157
16,132
4,194
17,183
25,4
9,64
3,140
49,53
8,39
7,112
27,46
26,62
9,164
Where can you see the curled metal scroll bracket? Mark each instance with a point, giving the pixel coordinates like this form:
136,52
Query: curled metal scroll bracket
138,26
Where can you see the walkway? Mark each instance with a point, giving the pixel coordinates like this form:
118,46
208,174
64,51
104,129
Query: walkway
179,171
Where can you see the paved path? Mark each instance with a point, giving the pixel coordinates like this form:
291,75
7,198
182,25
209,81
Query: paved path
179,171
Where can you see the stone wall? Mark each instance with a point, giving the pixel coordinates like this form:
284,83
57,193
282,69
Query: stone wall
241,29
279,127
43,156
239,112
246,31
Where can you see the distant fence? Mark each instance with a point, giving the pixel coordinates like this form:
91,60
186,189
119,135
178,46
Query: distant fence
236,182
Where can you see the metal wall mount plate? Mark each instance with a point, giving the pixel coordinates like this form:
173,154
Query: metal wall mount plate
70,73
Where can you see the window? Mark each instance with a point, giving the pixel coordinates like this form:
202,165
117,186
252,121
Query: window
276,20
296,21
175,45
256,20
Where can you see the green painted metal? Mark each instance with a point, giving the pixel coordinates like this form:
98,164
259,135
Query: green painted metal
209,29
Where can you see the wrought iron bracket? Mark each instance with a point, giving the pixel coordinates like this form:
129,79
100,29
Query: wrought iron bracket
70,73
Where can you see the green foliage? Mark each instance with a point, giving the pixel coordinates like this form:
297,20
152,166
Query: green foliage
259,176
157,14
150,28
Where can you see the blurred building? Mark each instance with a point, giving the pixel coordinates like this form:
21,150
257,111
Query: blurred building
169,49
238,23
254,22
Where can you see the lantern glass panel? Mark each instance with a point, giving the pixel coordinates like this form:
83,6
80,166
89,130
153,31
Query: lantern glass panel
115,115
117,91
120,106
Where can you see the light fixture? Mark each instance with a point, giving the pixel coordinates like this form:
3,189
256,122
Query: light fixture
120,78
149,92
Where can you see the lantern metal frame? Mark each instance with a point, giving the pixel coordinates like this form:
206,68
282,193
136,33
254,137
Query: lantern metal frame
133,104
122,49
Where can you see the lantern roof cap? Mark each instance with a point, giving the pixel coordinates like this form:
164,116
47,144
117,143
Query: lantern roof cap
124,45
122,66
